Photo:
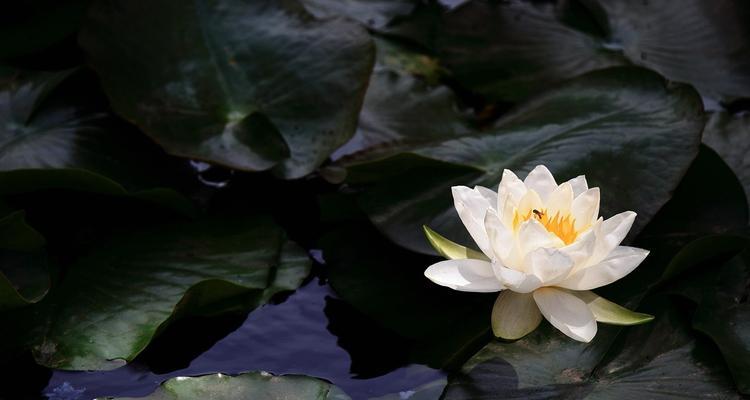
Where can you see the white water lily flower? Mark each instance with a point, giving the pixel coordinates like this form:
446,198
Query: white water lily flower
544,247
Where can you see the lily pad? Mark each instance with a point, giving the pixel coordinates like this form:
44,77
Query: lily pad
626,129
511,50
660,360
706,44
113,302
56,134
729,135
403,105
373,13
250,385
724,315
24,278
249,85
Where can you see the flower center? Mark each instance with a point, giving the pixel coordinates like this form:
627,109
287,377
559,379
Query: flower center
562,227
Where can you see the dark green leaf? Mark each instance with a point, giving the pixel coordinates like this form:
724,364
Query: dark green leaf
250,85
56,134
724,315
250,385
729,135
653,361
511,50
373,13
401,109
113,301
706,44
24,278
628,131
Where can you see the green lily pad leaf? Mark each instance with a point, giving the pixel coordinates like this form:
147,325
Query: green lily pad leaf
373,13
364,267
428,391
250,85
113,301
628,131
402,105
608,312
450,249
511,50
24,278
655,361
250,385
55,134
729,135
724,315
712,52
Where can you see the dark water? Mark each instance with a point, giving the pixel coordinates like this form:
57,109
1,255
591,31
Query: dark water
292,337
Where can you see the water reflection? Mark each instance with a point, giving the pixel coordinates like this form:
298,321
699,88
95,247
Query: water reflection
288,338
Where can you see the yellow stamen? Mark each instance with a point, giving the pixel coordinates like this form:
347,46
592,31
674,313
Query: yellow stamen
562,227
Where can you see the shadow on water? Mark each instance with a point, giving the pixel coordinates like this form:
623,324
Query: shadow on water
311,333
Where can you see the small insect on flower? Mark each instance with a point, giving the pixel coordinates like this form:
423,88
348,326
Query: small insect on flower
543,247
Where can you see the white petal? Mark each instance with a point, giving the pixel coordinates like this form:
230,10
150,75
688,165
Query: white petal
567,313
560,201
611,233
529,202
512,186
501,238
585,208
581,250
506,211
516,281
549,265
541,180
471,207
514,315
467,275
488,194
533,235
579,185
620,262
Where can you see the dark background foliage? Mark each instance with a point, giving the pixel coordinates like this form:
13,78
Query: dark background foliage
239,186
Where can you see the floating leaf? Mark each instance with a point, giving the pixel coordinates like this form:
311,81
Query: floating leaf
250,385
724,315
114,301
626,129
655,361
55,134
729,135
373,13
511,50
24,278
250,85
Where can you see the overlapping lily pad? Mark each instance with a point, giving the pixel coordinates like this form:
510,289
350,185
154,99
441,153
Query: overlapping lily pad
251,385
56,134
250,85
510,50
114,301
24,278
661,360
373,13
729,135
629,131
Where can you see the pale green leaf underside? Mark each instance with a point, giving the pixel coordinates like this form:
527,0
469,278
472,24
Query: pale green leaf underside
450,249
